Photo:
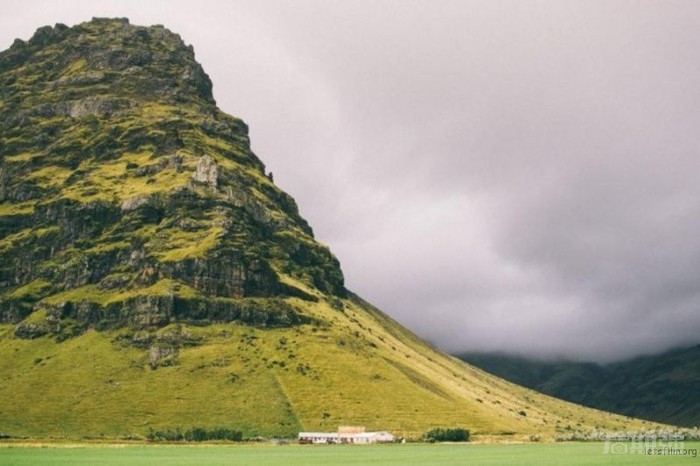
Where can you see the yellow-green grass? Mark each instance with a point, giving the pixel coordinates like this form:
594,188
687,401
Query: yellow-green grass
354,367
20,208
23,157
33,288
75,67
175,245
50,176
89,386
11,240
94,293
109,180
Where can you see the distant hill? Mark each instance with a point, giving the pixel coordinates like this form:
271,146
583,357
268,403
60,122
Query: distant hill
153,276
663,388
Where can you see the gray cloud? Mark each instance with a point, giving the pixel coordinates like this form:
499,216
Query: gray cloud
496,175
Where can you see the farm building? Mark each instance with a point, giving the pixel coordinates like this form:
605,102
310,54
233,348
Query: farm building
346,434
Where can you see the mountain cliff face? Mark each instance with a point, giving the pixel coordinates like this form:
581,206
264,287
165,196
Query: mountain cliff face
128,198
152,276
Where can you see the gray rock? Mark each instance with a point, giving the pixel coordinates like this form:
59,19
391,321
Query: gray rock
206,172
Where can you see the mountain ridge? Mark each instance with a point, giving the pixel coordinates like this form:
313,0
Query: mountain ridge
153,276
661,388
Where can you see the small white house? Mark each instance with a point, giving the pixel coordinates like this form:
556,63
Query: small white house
371,437
318,437
345,434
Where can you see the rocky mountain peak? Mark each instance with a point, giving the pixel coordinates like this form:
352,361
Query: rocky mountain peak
102,57
127,198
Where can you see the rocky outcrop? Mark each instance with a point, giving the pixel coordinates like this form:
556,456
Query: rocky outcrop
227,274
152,312
206,172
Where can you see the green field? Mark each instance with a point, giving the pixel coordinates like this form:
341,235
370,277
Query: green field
270,455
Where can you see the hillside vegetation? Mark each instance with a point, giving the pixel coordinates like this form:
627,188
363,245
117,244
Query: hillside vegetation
353,366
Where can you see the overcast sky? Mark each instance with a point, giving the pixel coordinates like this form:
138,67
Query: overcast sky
519,176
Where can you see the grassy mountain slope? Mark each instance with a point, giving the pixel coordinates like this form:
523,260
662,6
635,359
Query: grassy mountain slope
663,388
152,276
354,366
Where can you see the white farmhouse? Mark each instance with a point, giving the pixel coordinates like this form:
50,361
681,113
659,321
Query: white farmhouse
346,434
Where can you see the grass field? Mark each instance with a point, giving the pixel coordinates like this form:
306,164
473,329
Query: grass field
270,455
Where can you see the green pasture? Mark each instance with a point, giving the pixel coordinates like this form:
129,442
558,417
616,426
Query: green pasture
270,455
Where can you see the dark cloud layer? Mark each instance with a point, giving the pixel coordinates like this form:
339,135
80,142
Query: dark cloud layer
497,175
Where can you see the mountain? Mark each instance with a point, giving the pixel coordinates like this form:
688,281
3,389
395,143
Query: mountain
663,388
153,276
